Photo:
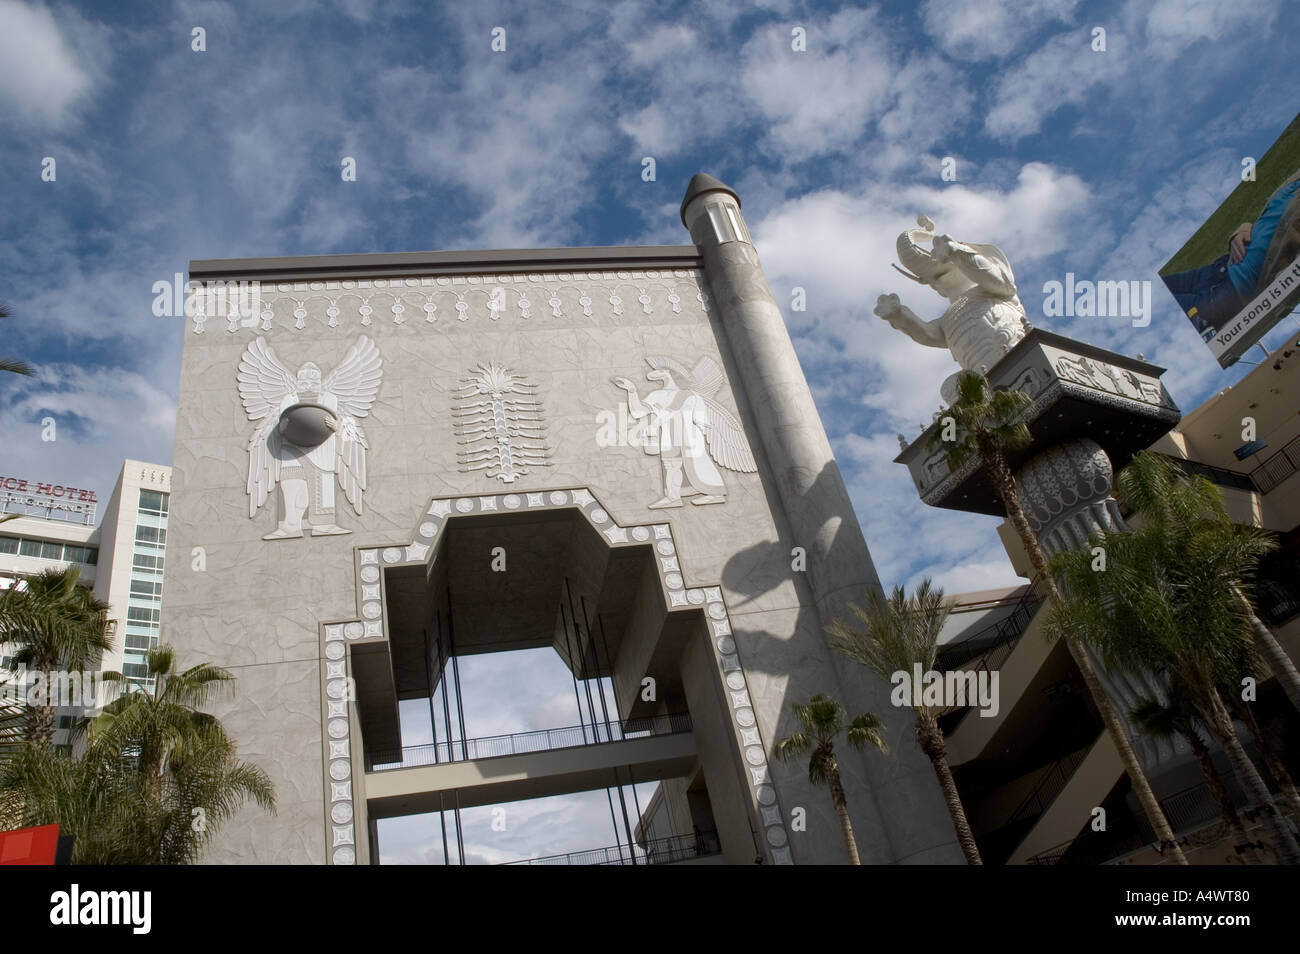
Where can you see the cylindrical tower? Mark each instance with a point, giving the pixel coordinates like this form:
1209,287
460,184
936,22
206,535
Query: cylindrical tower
909,806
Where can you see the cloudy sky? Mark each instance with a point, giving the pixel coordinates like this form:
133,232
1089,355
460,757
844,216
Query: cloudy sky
1072,160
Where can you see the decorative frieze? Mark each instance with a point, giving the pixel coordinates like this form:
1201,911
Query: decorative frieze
454,299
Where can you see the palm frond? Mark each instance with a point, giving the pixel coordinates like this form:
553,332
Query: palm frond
868,730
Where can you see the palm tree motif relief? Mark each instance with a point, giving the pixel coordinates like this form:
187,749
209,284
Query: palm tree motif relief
499,421
308,434
690,431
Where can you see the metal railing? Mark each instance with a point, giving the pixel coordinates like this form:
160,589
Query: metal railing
661,851
1191,807
521,743
980,652
1236,479
999,635
1049,785
1278,467
1189,810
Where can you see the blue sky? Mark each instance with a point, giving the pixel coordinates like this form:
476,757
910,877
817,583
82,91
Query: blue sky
1097,163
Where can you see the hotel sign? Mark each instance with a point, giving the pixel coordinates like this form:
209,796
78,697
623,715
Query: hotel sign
34,493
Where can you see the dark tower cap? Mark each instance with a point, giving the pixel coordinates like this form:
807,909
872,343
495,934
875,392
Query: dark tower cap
701,183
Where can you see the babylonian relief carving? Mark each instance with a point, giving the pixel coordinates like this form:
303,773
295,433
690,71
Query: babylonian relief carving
499,419
307,434
1107,377
689,430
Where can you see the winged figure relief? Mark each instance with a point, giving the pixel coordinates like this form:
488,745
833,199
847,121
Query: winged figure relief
691,432
308,434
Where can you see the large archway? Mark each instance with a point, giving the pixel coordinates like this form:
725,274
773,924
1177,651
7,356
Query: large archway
628,578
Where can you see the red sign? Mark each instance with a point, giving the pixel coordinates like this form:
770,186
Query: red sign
58,491
29,846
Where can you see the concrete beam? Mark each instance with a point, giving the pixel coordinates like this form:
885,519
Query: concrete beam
510,778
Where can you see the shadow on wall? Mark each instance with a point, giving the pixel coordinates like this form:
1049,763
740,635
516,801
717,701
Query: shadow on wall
757,570
795,667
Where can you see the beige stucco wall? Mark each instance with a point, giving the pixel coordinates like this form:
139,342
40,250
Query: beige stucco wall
258,606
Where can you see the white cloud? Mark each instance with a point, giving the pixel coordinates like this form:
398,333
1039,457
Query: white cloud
1172,26
48,67
1147,45
820,100
100,417
991,28
971,576
1063,72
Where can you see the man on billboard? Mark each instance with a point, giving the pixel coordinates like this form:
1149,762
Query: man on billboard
1211,295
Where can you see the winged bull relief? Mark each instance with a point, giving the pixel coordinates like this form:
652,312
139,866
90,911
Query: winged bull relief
308,434
689,430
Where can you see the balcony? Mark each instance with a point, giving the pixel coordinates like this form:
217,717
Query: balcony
1215,475
661,851
1277,468
522,743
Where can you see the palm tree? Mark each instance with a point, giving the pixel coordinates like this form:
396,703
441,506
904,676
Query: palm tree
9,364
902,633
1165,605
820,721
1267,750
164,721
88,798
57,625
151,759
1157,490
988,425
1179,718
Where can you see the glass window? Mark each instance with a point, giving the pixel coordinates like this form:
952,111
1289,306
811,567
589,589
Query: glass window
146,588
146,561
152,501
51,550
150,534
135,670
140,614
8,544
30,548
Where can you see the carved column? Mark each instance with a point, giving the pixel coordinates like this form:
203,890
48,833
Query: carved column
1066,495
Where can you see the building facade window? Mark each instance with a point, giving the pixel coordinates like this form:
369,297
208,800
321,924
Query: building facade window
49,550
144,603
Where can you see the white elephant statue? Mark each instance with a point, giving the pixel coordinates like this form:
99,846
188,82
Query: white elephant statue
985,318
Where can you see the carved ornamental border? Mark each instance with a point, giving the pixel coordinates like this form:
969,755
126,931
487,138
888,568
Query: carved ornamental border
449,299
936,481
370,627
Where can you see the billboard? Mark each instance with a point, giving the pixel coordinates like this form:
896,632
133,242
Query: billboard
1239,274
